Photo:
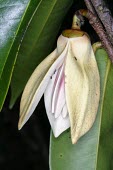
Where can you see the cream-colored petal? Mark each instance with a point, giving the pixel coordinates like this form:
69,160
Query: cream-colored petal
93,95
82,86
32,85
61,43
59,119
58,87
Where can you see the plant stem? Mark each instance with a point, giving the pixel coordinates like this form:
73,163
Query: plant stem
90,6
94,21
105,16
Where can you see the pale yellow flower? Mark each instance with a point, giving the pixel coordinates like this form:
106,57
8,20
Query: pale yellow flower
69,80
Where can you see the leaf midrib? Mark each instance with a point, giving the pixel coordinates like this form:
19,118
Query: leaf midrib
101,108
14,39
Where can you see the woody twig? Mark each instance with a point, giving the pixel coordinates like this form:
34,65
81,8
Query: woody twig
104,15
90,6
94,21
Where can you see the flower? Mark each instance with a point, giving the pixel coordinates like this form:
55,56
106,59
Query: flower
70,82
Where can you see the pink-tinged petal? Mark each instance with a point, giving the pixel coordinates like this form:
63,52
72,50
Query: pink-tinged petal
37,85
50,90
58,86
58,124
60,101
56,91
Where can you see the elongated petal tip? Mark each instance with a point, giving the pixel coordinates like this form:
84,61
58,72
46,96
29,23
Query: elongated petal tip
19,126
35,88
74,141
74,138
56,134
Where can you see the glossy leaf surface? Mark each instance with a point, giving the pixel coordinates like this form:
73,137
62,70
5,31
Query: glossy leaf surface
11,16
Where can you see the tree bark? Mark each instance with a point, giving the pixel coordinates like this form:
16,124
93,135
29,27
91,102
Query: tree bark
105,16
96,24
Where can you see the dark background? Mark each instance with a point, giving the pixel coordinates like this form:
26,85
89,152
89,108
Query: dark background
29,148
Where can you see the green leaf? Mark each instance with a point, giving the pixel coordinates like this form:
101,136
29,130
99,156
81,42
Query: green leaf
11,16
95,149
38,41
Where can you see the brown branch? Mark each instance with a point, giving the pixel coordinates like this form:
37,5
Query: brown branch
90,6
94,21
105,16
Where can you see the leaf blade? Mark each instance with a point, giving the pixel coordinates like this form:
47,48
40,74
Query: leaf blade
11,16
